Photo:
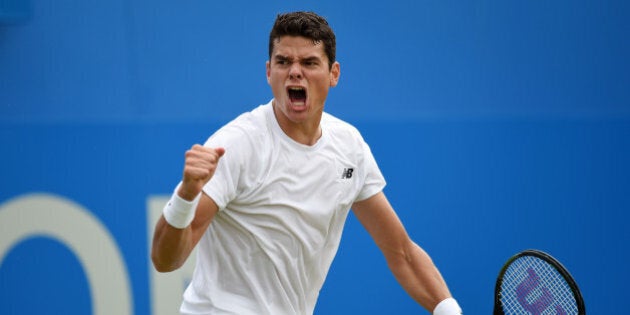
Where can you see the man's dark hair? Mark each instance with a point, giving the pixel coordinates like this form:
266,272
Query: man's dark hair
305,24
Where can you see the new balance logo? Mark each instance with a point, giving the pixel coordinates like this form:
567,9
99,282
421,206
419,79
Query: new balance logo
347,173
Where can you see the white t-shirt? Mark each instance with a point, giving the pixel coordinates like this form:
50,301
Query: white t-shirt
282,208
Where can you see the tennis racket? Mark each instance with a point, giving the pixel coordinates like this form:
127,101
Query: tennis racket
533,282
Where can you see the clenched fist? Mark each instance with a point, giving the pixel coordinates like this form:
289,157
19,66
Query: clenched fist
199,167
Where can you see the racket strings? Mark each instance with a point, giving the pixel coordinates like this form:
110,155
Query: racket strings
532,286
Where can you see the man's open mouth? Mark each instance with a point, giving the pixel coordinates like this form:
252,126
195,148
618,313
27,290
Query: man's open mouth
297,94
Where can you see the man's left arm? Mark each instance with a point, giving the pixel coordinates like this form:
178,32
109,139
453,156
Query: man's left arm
410,264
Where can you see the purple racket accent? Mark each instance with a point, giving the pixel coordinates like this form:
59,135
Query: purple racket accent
527,287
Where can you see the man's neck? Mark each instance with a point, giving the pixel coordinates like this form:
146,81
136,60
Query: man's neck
307,133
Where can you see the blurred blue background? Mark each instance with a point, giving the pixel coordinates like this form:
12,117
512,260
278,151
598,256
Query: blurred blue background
499,125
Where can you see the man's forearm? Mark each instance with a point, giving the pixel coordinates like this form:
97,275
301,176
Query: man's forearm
171,246
420,278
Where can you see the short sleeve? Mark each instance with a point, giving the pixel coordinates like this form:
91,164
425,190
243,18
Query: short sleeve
374,182
223,185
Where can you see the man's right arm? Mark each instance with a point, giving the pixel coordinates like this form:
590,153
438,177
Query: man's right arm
173,242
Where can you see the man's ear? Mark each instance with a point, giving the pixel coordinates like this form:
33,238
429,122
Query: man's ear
335,72
268,67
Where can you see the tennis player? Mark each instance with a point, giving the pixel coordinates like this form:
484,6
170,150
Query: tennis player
265,199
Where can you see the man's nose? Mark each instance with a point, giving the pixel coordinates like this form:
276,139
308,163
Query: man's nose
295,72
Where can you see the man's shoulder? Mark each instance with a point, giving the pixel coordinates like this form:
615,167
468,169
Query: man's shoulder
249,122
339,126
247,129
256,116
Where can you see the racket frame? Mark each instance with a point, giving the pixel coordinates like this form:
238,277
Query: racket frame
498,305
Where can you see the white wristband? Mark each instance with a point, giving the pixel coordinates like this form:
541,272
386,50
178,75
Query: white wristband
178,212
448,306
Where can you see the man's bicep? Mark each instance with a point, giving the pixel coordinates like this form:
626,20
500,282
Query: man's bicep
206,210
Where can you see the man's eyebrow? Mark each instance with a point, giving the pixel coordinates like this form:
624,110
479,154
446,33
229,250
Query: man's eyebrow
281,57
311,59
